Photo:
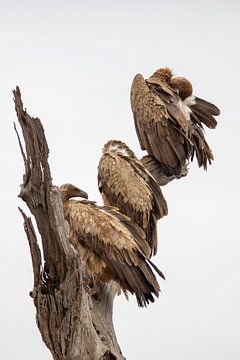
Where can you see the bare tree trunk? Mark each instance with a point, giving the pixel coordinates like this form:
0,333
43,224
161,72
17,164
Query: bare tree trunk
74,323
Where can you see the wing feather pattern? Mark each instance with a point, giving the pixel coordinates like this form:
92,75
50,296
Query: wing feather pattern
114,252
151,113
207,106
204,112
169,126
125,183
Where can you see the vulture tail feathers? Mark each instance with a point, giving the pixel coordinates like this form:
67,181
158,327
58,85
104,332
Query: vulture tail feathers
139,280
207,106
201,148
156,269
151,286
200,116
204,112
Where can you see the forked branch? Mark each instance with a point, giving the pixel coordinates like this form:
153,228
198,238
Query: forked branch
74,324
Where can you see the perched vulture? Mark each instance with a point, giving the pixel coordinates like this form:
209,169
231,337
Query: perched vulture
111,245
169,122
124,182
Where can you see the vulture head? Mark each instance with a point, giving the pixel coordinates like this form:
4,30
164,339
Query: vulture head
117,147
183,86
68,191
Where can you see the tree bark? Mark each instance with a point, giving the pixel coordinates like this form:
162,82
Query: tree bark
74,323
161,173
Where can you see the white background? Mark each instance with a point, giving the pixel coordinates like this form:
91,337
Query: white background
74,62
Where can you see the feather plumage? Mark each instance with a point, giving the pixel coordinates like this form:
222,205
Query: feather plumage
168,120
111,249
124,182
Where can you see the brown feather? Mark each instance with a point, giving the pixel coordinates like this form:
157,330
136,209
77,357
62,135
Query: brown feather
207,106
125,183
152,120
203,117
109,249
166,115
201,148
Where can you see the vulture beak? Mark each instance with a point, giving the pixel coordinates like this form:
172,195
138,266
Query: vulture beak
82,194
68,191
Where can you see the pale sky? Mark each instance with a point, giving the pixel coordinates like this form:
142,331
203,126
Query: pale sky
74,62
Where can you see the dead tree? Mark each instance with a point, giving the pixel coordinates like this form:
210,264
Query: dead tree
73,323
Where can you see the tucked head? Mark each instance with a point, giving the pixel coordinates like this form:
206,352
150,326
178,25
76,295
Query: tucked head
117,147
68,191
183,86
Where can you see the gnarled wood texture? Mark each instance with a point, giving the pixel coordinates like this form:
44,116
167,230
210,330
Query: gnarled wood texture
73,323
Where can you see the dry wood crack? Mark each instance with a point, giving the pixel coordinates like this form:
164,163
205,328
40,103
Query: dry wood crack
73,324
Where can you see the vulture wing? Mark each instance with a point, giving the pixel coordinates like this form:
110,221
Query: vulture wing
160,124
125,183
204,112
170,128
115,248
200,147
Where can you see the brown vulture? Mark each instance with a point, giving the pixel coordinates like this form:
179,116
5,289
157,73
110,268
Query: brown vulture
169,123
125,182
111,245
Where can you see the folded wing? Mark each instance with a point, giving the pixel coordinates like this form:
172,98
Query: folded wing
124,182
110,248
169,123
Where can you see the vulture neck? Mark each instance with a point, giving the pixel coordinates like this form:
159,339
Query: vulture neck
65,196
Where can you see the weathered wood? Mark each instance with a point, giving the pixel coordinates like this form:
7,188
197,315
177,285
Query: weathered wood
74,323
161,173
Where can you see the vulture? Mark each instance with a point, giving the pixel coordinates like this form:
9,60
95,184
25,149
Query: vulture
124,182
169,123
111,245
